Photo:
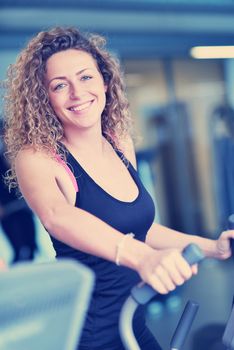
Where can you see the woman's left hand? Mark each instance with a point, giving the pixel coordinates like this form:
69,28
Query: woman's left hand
223,244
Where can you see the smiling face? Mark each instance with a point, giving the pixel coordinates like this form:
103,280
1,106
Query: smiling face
76,89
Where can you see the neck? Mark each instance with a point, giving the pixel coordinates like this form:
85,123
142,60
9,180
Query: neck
86,142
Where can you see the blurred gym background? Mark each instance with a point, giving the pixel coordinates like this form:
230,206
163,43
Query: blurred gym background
183,109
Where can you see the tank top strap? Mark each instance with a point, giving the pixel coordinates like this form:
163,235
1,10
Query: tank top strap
122,157
68,170
129,165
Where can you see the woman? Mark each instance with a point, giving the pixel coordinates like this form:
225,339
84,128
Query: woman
67,132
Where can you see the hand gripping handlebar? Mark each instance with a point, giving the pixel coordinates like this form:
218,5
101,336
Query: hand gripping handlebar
142,294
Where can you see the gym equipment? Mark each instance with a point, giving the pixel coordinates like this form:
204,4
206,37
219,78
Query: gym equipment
231,227
228,336
222,138
170,126
143,293
43,306
184,325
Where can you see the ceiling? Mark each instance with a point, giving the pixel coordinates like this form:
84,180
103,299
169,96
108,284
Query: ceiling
134,29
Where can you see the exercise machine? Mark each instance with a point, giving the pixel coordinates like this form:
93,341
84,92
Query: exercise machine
43,306
143,293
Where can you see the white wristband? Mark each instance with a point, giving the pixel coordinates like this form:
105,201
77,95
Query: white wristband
120,246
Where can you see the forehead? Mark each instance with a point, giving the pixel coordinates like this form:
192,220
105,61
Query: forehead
67,61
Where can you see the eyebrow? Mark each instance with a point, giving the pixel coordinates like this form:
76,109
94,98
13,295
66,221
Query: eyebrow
64,78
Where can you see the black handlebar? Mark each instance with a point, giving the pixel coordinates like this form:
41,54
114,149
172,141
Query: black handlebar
231,227
143,293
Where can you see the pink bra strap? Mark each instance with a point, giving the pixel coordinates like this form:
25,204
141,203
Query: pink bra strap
68,170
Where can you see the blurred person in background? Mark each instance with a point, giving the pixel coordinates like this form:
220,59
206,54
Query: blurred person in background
71,154
15,217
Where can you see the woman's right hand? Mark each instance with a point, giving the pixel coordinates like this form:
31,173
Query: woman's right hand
164,270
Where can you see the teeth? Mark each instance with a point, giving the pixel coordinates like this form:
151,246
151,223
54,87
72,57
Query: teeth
81,107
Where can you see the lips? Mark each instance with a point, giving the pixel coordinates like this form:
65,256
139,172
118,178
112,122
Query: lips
80,107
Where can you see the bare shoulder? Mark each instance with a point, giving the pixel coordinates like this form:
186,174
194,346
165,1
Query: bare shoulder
29,161
32,155
36,176
128,149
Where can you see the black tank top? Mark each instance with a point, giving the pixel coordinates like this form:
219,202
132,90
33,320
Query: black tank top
113,283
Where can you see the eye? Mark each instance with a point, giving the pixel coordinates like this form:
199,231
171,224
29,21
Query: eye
86,77
59,86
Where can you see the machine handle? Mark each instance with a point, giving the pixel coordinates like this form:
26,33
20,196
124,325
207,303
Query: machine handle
231,227
228,336
143,293
184,325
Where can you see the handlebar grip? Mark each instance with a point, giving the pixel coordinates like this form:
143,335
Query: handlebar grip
143,293
231,227
231,222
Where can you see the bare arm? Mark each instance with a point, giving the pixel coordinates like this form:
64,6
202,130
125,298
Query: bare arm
161,237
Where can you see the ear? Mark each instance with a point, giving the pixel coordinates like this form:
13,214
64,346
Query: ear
105,87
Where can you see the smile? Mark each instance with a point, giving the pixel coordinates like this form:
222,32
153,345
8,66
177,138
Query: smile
80,107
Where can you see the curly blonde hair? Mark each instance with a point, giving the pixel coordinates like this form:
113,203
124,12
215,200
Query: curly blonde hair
29,117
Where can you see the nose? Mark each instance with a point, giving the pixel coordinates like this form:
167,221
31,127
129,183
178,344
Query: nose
76,91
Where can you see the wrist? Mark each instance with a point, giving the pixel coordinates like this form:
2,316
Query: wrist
133,253
208,246
120,247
